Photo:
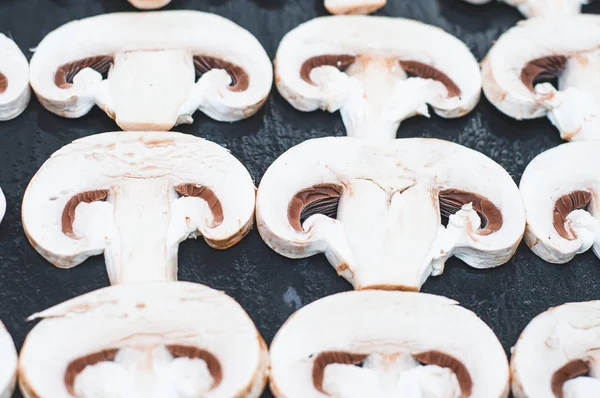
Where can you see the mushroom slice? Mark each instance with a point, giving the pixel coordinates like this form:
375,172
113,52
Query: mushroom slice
557,354
135,196
149,4
353,6
562,205
149,79
388,214
542,8
545,48
14,80
172,339
8,363
387,344
376,71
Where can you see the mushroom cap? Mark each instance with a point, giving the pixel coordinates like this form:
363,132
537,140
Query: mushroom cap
549,177
144,316
149,4
353,6
105,162
186,35
14,80
556,346
384,322
8,363
2,205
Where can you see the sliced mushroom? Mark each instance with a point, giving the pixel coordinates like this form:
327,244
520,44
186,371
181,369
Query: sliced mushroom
560,190
557,354
353,6
376,71
387,344
151,79
8,363
135,196
375,208
516,70
542,8
154,340
14,80
149,4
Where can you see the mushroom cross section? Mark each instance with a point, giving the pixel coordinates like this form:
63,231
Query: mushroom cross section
157,340
152,79
14,80
376,208
353,6
557,354
376,71
149,4
135,196
8,363
560,190
387,344
542,8
518,70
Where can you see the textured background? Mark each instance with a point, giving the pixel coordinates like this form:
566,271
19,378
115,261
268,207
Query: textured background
268,286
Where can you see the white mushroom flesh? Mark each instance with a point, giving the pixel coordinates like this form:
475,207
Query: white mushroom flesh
8,363
376,71
375,208
135,196
152,79
14,80
387,344
542,8
149,4
353,6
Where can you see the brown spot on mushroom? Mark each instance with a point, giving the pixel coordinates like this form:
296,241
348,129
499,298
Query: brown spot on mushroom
212,363
76,366
330,357
447,361
451,201
319,199
569,371
68,215
340,61
239,78
207,194
3,83
66,73
576,200
542,68
429,72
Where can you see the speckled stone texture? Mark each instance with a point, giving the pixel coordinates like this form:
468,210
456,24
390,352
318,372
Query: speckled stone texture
267,285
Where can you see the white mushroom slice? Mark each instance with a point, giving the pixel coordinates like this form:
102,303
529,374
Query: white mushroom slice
376,71
135,196
375,208
557,354
149,4
2,205
542,8
353,6
163,340
14,80
151,79
8,363
544,48
562,207
387,344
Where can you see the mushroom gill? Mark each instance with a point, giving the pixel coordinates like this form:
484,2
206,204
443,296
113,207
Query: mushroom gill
208,195
68,215
452,200
319,199
542,68
571,370
576,200
330,357
212,362
446,361
425,71
76,366
65,74
3,83
239,78
340,61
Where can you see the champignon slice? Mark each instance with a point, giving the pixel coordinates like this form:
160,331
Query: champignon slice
517,69
154,340
557,354
387,214
387,344
14,80
149,79
353,6
542,8
561,203
376,71
8,363
149,4
135,196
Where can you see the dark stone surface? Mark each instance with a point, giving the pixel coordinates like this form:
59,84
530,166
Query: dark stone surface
268,286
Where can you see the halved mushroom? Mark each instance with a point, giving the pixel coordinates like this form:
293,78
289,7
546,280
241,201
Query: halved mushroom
560,190
516,70
557,354
542,8
375,208
387,344
149,4
151,79
14,80
154,340
353,6
8,363
376,71
135,196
